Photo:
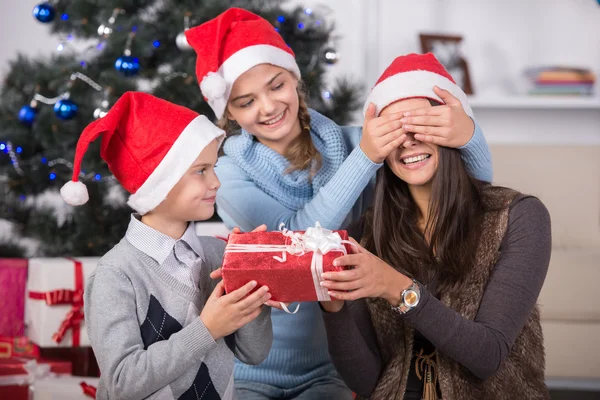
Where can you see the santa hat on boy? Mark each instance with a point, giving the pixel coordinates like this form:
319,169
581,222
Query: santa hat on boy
414,76
231,44
148,144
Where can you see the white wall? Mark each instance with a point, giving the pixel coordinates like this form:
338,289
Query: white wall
501,38
20,32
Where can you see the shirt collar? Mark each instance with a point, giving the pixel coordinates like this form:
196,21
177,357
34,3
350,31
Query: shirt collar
156,244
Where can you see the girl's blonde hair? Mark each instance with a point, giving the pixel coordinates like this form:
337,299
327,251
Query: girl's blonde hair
302,153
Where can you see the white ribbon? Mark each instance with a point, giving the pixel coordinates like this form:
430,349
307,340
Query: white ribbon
316,239
33,371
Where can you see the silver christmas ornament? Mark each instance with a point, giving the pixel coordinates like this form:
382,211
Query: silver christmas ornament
182,43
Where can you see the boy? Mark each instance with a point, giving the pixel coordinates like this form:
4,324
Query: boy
156,329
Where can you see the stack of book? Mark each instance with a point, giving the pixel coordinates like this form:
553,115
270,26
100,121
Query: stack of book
561,81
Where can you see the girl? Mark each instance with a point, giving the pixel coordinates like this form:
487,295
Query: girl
294,166
450,271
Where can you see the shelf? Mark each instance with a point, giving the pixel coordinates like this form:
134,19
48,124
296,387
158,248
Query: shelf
535,102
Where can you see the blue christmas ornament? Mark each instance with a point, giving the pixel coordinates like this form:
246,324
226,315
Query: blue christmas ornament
65,109
128,65
44,12
27,115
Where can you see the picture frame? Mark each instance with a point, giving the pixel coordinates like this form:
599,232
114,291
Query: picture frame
447,49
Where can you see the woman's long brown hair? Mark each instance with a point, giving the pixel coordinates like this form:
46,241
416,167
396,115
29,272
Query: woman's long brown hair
456,209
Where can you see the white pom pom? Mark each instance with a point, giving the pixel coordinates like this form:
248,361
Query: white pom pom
213,86
74,193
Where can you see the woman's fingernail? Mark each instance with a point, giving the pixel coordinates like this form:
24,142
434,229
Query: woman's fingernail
326,275
253,283
403,120
407,114
324,284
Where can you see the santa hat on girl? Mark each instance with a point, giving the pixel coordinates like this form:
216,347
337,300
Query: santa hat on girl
231,44
148,144
414,76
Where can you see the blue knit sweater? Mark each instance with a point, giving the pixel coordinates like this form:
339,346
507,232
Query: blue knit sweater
255,190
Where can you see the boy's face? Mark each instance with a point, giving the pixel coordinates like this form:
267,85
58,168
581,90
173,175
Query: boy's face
193,197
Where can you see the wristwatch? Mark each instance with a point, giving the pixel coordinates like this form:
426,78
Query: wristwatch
409,298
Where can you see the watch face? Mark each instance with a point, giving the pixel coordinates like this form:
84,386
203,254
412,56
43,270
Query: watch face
411,298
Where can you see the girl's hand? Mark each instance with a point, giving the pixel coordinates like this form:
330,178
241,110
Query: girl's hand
447,125
381,135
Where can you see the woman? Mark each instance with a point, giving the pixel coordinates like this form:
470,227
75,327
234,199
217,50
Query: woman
446,282
292,165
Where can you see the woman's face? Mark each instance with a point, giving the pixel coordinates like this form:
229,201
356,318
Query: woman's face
264,102
414,162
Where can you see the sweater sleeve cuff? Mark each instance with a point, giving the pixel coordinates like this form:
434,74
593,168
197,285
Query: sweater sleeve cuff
476,155
196,338
338,325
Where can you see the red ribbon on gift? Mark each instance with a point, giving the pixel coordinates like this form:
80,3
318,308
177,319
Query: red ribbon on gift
88,390
67,296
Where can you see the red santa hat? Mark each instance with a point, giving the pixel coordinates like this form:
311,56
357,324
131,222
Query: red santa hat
148,144
231,44
414,76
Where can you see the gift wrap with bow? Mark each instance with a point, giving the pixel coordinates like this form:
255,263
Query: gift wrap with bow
54,301
290,263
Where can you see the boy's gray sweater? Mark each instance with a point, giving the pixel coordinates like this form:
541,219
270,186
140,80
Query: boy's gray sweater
147,336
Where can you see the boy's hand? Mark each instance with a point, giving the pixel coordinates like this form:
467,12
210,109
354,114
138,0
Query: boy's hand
224,314
446,125
260,228
381,135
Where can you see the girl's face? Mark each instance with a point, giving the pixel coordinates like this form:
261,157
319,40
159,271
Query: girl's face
414,162
264,102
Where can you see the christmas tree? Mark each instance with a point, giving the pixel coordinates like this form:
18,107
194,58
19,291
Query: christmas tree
135,45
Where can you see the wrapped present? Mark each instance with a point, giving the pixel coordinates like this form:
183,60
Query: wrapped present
82,359
54,301
65,388
13,279
290,263
14,379
18,347
18,374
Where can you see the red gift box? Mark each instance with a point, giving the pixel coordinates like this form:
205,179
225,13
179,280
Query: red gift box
17,374
289,263
14,379
13,279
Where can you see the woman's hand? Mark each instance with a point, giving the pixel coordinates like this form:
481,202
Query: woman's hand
446,125
370,277
332,305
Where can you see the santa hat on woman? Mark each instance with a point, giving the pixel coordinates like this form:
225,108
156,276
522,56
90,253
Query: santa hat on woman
148,144
231,44
414,76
